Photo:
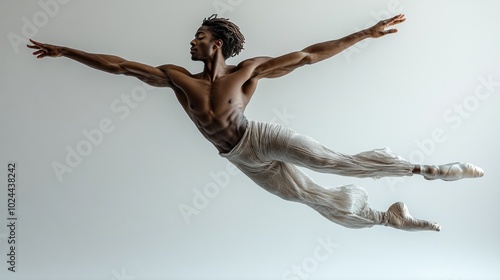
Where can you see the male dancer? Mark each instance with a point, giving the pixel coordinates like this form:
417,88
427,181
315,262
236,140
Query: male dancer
269,154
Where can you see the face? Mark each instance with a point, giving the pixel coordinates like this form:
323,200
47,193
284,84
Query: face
203,46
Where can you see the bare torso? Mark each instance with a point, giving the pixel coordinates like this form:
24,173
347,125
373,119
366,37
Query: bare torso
215,106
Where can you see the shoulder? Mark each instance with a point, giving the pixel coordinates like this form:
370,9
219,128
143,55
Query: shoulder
170,68
250,66
253,62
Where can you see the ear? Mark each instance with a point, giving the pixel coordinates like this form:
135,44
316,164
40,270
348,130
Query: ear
218,44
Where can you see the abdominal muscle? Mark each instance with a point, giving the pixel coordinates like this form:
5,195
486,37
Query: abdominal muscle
225,131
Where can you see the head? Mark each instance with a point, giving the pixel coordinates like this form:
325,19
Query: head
217,34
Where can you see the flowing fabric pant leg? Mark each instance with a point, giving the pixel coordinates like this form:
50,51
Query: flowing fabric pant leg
270,154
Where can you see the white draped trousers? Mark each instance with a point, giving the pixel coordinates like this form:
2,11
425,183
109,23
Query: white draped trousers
270,154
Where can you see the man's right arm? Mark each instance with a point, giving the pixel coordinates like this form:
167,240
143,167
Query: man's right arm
107,63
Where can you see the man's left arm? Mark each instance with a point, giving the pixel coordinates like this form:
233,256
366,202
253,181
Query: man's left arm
279,66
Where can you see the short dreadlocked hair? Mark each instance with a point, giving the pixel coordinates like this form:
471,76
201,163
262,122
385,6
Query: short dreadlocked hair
228,32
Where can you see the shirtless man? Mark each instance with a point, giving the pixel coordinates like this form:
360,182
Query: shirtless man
269,154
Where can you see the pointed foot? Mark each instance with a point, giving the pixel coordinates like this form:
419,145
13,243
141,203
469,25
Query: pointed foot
452,171
398,216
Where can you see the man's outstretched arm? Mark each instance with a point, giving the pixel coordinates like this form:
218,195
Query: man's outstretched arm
279,66
107,63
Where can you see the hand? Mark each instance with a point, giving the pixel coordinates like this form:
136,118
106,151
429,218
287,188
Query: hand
378,30
44,50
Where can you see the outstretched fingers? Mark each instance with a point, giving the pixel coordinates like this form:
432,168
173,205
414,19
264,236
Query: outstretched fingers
397,19
40,54
43,50
40,50
390,31
379,29
36,45
393,21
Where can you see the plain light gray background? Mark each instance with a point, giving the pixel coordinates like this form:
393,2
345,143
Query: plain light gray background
430,92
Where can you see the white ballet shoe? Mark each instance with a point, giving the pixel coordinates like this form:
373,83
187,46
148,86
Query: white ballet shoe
452,172
398,216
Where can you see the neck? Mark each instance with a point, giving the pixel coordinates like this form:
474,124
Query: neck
215,67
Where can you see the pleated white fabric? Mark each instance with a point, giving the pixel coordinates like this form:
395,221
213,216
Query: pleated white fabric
270,154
